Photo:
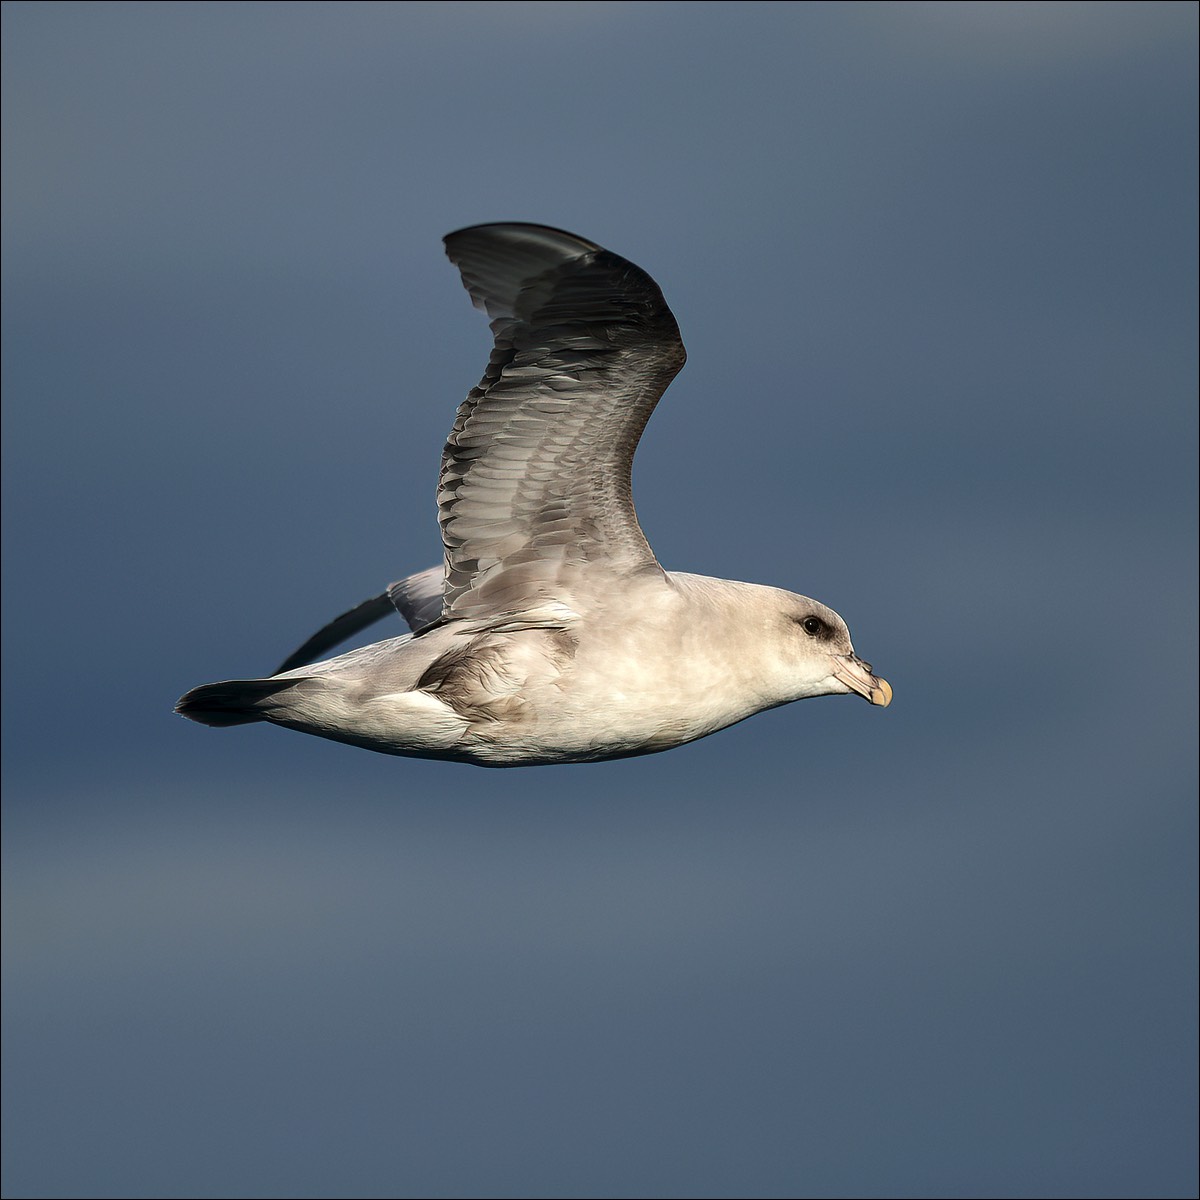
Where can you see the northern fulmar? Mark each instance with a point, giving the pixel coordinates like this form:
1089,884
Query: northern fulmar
550,634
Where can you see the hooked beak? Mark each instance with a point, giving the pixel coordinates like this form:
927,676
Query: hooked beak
856,675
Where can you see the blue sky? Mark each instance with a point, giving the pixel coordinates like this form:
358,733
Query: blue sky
934,265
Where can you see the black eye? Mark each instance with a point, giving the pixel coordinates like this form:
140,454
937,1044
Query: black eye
812,625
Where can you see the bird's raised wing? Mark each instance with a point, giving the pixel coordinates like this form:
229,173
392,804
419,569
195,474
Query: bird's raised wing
534,489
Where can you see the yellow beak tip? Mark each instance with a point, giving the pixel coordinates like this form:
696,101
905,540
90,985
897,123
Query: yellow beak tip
881,694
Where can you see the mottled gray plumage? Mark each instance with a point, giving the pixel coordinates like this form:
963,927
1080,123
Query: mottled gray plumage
550,633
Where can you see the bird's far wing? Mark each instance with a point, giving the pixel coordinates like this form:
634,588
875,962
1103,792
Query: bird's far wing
534,491
417,598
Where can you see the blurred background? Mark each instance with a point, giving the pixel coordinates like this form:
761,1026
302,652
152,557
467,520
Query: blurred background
935,268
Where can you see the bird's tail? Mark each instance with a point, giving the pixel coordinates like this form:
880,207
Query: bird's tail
233,702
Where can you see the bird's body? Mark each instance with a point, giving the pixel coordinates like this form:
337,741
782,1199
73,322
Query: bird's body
551,634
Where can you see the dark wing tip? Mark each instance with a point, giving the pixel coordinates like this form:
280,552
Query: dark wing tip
542,276
557,241
498,262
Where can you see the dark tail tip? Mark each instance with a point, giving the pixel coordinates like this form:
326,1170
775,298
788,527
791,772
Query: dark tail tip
234,702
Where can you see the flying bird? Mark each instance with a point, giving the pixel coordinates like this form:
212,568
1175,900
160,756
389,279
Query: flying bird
550,633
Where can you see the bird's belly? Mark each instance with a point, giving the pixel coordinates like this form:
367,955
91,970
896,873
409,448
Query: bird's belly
606,717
